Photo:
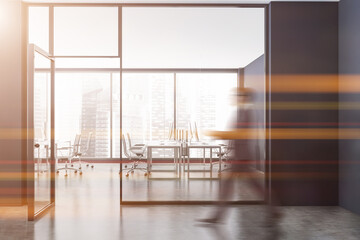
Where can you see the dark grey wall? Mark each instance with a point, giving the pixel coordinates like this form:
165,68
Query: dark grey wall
303,43
349,65
254,77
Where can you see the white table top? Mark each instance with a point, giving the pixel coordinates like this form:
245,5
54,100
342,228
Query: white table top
163,145
204,145
178,144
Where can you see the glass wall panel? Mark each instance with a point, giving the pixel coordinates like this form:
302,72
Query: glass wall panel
205,99
82,101
188,39
116,114
84,31
42,132
148,107
205,102
167,37
88,97
39,27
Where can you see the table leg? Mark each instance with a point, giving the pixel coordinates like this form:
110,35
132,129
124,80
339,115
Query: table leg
47,158
175,161
151,159
38,161
148,159
220,159
179,161
183,159
188,168
211,166
204,153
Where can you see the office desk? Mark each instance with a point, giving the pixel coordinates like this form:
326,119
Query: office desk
171,145
203,146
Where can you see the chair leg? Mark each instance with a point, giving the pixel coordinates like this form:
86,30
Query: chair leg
135,166
80,162
66,168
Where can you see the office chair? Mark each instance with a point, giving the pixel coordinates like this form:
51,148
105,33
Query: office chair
226,150
73,151
136,153
83,152
136,145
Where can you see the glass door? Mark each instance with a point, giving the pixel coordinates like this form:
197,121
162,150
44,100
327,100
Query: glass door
40,123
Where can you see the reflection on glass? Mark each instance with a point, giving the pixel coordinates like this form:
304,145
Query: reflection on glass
42,121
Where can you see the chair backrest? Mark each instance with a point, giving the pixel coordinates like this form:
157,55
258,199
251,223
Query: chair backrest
76,147
129,139
125,147
191,133
87,145
171,130
196,132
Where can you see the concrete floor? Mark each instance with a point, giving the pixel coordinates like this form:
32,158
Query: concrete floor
88,207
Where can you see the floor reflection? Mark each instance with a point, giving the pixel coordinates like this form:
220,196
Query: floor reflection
200,186
87,207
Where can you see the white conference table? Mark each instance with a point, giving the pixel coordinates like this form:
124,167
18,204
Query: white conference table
163,145
204,146
182,151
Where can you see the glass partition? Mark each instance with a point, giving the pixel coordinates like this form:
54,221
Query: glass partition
148,107
179,69
86,31
39,27
116,117
205,101
204,58
191,37
40,122
83,107
205,98
42,119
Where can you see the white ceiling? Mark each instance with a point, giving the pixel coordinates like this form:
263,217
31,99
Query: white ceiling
184,37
